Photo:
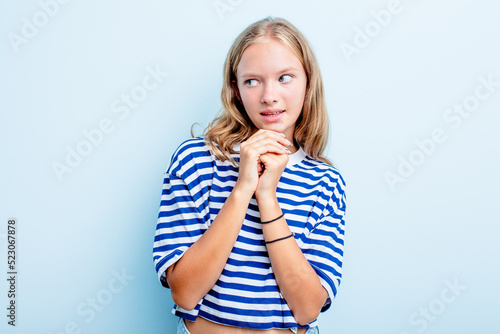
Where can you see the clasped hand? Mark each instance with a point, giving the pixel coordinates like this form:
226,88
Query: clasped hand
263,158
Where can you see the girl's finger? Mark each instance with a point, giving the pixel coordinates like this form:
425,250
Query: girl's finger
263,146
263,134
271,160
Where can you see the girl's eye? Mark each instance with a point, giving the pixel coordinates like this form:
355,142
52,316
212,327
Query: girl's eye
251,82
285,78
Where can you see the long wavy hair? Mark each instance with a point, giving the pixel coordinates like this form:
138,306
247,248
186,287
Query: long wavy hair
232,125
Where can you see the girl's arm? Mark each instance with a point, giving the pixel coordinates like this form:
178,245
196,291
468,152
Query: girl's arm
197,271
298,282
199,268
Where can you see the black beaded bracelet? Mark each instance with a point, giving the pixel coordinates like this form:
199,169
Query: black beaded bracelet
275,219
270,242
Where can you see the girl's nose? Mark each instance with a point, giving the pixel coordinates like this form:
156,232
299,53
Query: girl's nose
269,94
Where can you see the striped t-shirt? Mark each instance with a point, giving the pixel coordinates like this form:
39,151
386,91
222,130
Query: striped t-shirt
310,194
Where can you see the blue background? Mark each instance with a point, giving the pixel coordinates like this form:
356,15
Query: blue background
66,68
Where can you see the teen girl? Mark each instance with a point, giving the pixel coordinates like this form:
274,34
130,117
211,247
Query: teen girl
250,232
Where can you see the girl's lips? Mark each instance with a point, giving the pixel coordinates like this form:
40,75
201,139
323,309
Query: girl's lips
272,115
273,112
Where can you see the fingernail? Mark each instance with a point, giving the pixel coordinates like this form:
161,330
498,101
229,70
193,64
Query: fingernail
284,135
287,151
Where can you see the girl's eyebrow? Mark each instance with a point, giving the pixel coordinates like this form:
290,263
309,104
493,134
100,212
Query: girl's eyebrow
253,75
288,69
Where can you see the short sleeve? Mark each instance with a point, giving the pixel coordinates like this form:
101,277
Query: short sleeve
323,247
184,212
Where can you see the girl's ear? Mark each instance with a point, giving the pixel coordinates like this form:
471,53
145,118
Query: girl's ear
234,85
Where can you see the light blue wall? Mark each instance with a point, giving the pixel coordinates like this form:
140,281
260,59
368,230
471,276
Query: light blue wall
421,250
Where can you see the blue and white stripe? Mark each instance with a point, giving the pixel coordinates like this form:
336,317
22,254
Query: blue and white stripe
311,195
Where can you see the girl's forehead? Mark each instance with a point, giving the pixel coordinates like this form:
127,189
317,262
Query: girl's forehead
267,44
270,53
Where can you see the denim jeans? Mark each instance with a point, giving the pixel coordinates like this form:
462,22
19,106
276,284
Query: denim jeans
182,329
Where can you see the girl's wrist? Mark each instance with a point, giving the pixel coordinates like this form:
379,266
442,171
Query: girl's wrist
266,199
242,192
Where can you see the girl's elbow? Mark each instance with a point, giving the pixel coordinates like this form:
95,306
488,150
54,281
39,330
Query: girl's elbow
181,294
184,301
306,317
306,314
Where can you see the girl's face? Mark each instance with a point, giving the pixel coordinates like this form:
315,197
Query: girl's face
272,85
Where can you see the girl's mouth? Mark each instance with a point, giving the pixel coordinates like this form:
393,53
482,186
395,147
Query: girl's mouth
272,113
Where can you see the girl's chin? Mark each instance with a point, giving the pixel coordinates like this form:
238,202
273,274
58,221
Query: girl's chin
281,128
271,127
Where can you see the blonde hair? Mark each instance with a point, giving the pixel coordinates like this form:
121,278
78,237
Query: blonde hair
232,125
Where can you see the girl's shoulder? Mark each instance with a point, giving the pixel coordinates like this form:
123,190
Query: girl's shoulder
330,179
322,170
196,146
190,153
